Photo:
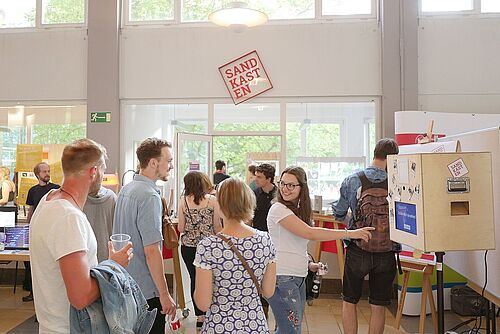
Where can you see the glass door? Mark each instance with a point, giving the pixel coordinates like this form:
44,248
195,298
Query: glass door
193,153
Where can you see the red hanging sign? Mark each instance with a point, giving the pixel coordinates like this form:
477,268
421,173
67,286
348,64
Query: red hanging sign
245,77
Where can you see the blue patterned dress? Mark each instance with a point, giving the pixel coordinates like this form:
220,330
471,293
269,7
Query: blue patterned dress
236,306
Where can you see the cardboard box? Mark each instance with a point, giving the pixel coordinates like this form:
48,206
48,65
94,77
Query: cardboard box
441,201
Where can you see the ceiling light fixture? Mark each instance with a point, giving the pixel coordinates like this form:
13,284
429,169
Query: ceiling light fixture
237,16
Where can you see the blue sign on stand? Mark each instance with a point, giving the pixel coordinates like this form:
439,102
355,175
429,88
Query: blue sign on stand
406,217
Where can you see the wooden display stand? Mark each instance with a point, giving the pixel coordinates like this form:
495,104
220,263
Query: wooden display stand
427,270
321,219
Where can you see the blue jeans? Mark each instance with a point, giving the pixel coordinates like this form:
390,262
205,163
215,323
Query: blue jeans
288,303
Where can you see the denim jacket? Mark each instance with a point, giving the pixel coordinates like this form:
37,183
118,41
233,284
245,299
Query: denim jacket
121,308
350,192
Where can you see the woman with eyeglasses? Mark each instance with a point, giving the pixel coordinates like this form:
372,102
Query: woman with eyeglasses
198,218
289,223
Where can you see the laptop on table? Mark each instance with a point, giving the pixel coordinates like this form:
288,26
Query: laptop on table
17,237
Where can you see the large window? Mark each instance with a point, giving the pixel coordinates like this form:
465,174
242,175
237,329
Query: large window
150,10
196,10
330,140
440,7
188,11
140,121
39,13
28,124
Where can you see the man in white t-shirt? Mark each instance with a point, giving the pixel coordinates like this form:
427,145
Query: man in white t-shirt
63,246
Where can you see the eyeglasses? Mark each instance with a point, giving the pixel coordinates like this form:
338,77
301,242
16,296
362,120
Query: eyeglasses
289,186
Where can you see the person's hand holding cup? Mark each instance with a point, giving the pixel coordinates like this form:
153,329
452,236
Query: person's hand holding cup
120,249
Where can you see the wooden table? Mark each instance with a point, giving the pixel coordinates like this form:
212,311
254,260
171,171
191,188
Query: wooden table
320,220
15,255
9,255
427,270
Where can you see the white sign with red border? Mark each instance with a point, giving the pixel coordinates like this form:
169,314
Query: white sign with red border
457,168
245,77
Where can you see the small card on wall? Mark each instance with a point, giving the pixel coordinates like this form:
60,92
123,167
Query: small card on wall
457,168
245,77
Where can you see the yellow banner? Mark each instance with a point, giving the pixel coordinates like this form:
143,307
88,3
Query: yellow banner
25,183
27,156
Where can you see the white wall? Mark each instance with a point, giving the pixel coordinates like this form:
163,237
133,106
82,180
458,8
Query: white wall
459,64
301,59
43,65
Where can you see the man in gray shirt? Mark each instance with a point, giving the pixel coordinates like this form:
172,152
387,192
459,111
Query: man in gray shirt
138,213
100,209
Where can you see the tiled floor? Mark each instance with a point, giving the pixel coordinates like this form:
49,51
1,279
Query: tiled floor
324,316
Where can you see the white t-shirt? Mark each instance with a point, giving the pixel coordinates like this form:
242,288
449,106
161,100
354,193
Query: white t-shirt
291,250
57,229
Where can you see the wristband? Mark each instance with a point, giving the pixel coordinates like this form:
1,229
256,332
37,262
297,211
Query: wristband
346,235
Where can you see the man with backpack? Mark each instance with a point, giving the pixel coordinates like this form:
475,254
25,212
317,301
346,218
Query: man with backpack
365,194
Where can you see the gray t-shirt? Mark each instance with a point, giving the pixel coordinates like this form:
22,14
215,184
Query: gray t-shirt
138,213
100,211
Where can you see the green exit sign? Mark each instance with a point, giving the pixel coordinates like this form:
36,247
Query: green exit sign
100,117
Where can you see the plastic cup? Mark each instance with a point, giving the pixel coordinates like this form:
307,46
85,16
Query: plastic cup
119,240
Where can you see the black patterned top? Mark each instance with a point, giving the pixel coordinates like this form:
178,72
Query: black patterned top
199,224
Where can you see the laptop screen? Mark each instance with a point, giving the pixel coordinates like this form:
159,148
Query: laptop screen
17,237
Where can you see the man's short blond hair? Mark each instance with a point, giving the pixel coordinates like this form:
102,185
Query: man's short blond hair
236,200
80,155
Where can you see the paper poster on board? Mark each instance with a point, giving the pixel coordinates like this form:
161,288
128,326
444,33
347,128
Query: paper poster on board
27,156
25,183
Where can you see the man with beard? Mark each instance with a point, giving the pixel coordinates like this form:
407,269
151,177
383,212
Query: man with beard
138,213
100,209
35,194
63,247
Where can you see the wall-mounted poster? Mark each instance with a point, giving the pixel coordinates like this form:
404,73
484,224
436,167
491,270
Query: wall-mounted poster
245,77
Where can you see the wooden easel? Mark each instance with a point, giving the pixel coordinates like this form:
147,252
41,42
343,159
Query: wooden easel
321,219
427,270
427,137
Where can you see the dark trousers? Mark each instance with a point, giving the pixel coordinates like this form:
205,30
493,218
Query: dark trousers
159,324
188,254
27,276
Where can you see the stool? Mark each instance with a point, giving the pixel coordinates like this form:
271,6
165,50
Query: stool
427,270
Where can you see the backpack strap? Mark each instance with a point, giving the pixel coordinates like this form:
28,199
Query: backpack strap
243,262
367,184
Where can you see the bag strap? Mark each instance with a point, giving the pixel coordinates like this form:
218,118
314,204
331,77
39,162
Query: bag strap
187,210
243,261
164,211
